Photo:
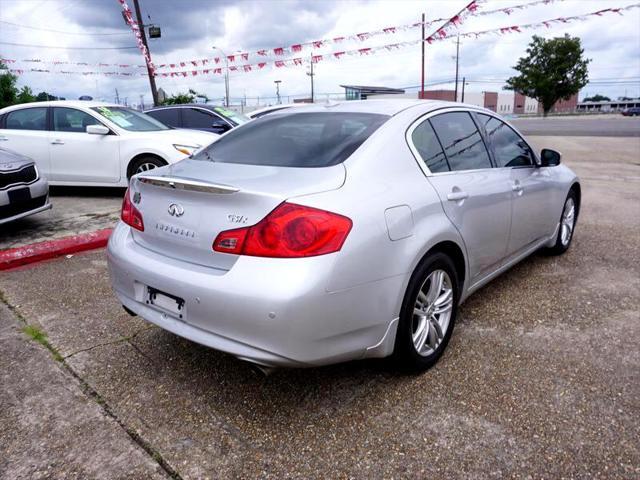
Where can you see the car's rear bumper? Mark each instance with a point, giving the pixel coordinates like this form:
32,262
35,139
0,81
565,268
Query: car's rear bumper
275,312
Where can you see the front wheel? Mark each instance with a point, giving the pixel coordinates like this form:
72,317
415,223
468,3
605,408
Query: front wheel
567,225
144,164
428,313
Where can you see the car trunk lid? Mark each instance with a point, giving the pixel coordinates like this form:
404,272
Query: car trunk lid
185,206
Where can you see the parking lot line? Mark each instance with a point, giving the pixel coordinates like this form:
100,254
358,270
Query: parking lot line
36,252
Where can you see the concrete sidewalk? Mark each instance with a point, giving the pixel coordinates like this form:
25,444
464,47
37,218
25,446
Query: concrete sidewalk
51,426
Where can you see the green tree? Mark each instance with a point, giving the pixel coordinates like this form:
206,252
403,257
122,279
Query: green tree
44,97
26,95
188,97
551,70
8,88
597,98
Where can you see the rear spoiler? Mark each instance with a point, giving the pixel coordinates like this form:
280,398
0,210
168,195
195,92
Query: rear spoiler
185,184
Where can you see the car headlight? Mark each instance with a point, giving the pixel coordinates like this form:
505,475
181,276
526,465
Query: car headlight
186,149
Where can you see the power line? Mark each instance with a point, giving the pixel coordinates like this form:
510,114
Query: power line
61,31
64,48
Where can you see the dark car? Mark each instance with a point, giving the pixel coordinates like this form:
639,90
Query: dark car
631,111
22,190
198,117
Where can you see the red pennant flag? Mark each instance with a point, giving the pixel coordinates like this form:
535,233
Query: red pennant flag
217,71
262,53
316,58
362,36
278,51
338,54
184,74
390,29
247,68
296,48
233,68
194,63
338,39
261,65
232,58
317,44
245,56
429,40
364,51
442,34
205,61
516,29
182,64
297,61
205,71
216,60
279,64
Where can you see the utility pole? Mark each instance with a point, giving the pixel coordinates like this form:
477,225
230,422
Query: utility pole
311,74
278,82
117,97
422,70
463,84
152,78
226,76
457,56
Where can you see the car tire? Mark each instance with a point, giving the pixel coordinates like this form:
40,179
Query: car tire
568,220
428,314
144,164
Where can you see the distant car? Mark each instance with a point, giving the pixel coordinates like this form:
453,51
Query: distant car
22,190
198,117
261,112
631,111
91,143
339,232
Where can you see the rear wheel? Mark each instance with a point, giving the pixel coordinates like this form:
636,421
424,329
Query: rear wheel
144,164
428,313
567,225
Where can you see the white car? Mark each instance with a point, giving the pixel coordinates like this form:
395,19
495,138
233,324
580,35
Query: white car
93,143
261,112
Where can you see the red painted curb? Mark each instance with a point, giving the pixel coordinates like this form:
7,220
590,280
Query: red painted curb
36,252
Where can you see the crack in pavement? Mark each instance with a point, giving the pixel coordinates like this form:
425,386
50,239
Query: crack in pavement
112,342
88,390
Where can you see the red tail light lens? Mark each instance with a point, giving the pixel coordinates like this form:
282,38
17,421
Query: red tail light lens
289,231
130,214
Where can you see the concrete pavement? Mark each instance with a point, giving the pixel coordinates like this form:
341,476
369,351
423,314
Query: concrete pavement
541,378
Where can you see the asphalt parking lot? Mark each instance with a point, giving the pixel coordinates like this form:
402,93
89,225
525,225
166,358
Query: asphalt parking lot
540,380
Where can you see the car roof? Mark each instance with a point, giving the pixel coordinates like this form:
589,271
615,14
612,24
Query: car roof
63,103
206,106
383,106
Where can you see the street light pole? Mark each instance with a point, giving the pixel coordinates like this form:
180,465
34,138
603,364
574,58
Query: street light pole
278,82
226,76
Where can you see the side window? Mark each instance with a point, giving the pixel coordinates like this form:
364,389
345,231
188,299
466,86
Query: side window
196,118
168,116
461,140
72,120
428,146
27,119
509,148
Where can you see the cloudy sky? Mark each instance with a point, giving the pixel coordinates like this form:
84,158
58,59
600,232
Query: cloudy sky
93,31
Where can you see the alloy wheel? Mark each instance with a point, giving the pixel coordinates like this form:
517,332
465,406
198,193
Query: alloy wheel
432,312
568,221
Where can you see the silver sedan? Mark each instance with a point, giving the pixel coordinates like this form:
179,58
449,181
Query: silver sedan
338,232
23,191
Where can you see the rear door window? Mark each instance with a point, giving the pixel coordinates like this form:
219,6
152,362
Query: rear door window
426,143
27,119
461,140
310,139
509,149
168,116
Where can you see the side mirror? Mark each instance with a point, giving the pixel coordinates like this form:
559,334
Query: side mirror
97,130
220,127
549,158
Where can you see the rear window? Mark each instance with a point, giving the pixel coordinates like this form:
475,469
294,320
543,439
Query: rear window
314,139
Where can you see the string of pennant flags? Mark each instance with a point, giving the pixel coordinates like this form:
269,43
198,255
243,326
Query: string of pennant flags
472,10
447,31
128,16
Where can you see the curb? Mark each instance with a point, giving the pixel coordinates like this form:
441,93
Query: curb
36,252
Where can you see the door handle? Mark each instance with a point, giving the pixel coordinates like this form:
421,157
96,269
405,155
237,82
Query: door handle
57,142
516,187
457,196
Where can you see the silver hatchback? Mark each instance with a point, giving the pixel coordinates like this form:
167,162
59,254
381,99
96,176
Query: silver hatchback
338,232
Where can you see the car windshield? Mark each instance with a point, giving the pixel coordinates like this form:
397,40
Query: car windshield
235,117
313,139
130,119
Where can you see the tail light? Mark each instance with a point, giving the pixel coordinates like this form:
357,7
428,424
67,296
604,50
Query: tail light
289,231
130,214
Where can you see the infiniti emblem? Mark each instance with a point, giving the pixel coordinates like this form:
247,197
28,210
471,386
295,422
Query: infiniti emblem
176,210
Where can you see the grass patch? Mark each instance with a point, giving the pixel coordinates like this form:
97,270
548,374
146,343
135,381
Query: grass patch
39,336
